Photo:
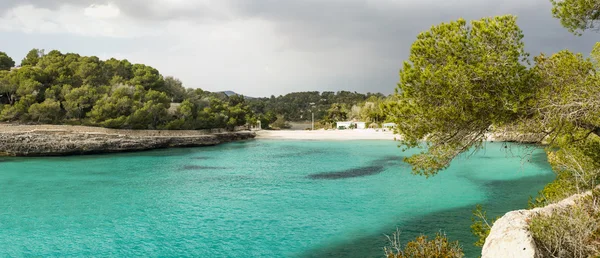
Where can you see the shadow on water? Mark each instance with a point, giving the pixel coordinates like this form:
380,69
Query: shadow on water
454,222
540,159
377,166
196,167
349,173
309,152
200,158
390,161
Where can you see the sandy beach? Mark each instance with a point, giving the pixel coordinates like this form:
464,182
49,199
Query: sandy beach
373,134
358,134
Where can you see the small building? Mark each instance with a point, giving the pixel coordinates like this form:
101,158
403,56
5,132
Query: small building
342,125
360,125
389,125
350,124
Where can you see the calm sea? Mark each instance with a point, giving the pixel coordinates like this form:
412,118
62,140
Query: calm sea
260,198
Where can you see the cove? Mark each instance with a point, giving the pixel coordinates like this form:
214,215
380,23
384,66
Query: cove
260,198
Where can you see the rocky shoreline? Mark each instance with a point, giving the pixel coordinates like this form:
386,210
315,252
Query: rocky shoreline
26,141
510,235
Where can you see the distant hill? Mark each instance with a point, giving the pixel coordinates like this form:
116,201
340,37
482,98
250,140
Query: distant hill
232,93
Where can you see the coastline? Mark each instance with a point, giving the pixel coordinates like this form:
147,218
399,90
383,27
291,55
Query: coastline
373,134
65,140
338,135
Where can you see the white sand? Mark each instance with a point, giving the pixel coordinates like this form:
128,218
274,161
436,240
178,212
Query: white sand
357,134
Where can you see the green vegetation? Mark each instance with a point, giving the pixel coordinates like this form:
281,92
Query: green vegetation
459,81
465,80
572,232
69,88
328,107
421,247
6,62
475,82
577,15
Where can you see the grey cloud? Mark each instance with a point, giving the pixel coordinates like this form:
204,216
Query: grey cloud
48,4
154,10
144,10
375,33
387,30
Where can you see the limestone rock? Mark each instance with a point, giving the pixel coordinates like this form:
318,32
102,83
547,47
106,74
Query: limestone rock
73,142
510,236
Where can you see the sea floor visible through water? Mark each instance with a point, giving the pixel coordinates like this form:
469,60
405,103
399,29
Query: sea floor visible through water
259,198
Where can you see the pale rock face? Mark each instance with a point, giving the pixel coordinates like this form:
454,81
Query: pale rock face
510,236
50,140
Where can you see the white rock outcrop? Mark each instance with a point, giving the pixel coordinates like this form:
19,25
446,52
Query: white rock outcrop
510,236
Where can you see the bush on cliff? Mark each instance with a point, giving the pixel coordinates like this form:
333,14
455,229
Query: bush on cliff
569,232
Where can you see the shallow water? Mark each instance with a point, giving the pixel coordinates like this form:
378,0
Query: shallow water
261,198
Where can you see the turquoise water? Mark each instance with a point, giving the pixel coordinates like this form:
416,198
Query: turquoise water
261,198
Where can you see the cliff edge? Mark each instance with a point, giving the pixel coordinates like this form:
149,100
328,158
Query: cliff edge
510,235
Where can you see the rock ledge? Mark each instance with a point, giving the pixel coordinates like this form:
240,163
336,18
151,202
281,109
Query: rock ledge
510,236
76,140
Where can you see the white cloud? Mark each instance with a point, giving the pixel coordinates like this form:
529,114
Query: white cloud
93,21
102,11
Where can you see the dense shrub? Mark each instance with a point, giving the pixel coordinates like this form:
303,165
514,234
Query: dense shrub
422,247
570,232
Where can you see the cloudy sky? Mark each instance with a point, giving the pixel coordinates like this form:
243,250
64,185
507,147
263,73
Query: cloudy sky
263,47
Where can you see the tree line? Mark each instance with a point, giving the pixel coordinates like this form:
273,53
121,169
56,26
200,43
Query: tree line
68,88
328,107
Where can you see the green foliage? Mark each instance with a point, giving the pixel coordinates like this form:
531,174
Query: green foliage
281,123
577,15
18,111
79,101
482,225
74,89
174,89
562,187
596,55
147,77
33,57
569,232
567,107
6,62
422,247
298,106
46,112
153,112
337,112
460,80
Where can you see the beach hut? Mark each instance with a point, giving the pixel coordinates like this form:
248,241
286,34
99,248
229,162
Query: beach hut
360,125
350,124
389,125
343,125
